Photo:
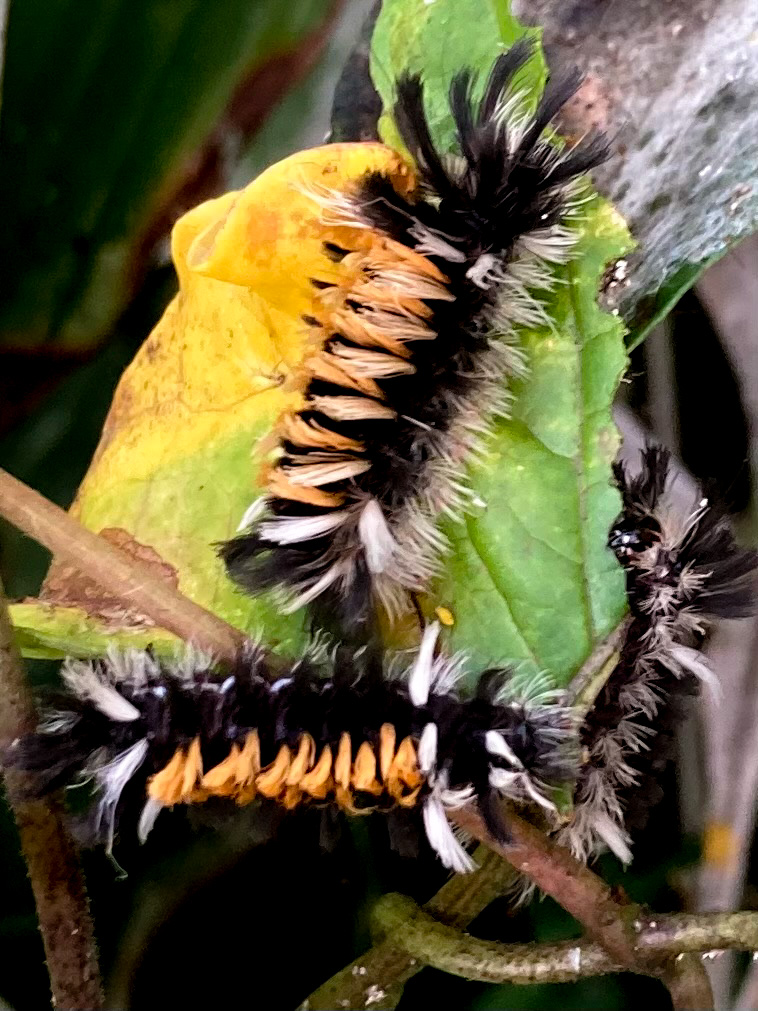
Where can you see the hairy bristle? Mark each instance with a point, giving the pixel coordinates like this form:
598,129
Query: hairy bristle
160,734
683,571
418,340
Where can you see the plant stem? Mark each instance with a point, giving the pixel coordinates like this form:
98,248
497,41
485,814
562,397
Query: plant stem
588,681
557,873
383,971
127,578
51,860
421,936
610,922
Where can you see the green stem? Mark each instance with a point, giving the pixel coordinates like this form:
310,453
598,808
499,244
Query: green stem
422,937
381,973
586,684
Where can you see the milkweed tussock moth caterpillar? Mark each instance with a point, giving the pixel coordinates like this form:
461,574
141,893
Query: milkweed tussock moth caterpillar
683,572
415,347
367,734
347,732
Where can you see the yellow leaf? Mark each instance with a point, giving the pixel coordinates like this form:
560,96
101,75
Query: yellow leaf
177,464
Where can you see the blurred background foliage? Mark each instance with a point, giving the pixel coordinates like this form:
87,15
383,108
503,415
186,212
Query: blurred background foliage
116,117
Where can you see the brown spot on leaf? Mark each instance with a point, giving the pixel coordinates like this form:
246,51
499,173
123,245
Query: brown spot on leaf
66,586
151,348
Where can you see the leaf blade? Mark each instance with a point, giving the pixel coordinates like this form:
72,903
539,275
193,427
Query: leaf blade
180,459
529,579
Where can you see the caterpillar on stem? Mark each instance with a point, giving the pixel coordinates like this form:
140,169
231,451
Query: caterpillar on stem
347,731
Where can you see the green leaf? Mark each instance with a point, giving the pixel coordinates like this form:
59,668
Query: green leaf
530,579
103,106
654,309
436,41
52,633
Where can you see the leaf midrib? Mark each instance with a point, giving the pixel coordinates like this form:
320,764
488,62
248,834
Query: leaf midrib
578,455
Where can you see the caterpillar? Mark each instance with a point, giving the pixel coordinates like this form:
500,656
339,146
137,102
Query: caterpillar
352,731
413,351
682,572
415,347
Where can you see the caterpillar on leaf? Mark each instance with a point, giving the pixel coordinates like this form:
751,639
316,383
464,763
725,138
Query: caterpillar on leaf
355,732
414,349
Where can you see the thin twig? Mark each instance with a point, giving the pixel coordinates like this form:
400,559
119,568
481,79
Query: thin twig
588,681
611,923
557,873
54,872
381,973
125,577
421,936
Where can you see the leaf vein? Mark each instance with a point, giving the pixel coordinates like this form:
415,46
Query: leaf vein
481,554
581,491
540,540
